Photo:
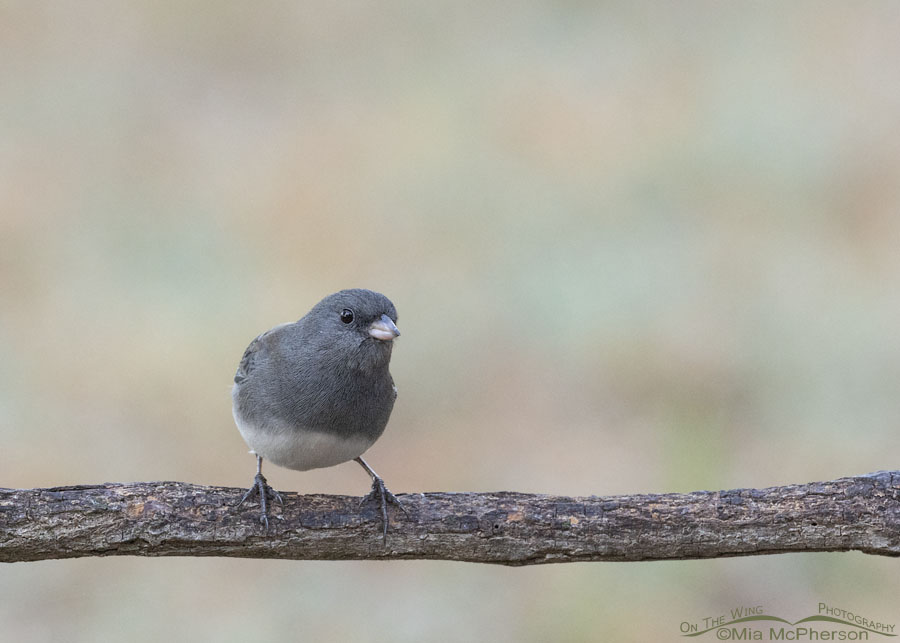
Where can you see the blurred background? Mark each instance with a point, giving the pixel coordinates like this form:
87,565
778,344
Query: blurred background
634,247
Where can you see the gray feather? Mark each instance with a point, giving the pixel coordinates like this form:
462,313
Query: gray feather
319,374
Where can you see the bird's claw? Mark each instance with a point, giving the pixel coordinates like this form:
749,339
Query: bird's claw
261,488
384,497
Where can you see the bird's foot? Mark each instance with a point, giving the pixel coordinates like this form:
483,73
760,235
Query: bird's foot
261,488
384,497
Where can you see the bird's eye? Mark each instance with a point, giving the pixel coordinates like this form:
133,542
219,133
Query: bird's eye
346,315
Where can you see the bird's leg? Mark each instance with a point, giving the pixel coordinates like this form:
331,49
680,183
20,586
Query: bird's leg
261,487
381,494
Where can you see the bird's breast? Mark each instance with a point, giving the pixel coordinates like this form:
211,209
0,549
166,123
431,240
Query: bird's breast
299,448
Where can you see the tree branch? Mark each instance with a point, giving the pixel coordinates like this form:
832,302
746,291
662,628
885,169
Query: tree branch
180,519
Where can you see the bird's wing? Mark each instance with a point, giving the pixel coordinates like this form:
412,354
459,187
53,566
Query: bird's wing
248,361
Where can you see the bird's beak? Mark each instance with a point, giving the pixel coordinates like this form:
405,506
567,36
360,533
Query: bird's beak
383,329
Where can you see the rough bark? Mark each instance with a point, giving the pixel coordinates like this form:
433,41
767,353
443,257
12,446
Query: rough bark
179,519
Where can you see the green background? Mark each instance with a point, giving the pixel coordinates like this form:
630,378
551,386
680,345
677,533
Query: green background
635,247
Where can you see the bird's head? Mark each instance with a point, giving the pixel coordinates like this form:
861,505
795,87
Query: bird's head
360,325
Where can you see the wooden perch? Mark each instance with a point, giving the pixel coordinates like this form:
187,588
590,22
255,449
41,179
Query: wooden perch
179,519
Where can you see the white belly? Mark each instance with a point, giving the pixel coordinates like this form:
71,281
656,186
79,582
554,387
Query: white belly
301,450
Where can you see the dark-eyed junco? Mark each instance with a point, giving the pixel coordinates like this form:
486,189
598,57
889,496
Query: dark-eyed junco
318,392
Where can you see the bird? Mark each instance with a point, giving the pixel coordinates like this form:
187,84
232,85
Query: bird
318,392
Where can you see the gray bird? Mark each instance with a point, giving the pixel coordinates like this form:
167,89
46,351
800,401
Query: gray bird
317,392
